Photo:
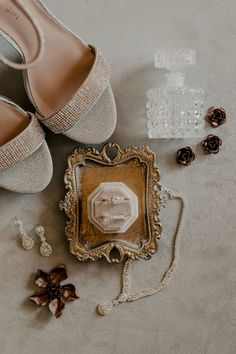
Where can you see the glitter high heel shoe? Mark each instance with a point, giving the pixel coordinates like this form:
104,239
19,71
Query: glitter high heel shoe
25,160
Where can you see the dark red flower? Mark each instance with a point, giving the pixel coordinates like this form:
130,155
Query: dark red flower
216,116
53,294
211,144
185,156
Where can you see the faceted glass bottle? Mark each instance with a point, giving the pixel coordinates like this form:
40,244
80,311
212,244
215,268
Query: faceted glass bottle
175,111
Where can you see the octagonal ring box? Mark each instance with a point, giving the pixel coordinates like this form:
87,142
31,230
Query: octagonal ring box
112,207
112,203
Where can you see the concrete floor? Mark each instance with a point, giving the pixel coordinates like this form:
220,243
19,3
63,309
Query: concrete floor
196,313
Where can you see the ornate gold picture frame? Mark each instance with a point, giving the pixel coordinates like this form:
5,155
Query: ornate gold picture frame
87,169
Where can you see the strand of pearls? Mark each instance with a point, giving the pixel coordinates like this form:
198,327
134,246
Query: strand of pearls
165,195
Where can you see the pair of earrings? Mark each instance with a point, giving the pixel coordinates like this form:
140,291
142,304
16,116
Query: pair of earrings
28,242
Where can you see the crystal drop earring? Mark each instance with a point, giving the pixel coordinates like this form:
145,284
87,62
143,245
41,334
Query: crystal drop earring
26,240
45,248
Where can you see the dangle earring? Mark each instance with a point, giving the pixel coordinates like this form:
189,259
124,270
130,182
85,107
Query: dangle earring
26,240
45,248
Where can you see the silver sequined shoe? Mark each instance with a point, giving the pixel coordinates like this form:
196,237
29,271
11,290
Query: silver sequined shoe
67,81
25,160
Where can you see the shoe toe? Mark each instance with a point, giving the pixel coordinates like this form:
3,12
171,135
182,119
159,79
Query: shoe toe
30,175
99,123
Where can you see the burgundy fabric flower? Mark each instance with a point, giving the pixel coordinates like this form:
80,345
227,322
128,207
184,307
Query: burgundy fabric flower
211,144
185,156
216,116
53,293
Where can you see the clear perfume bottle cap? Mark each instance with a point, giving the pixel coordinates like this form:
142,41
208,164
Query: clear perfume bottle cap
174,59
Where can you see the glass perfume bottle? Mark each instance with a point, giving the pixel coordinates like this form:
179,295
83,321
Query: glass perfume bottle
175,111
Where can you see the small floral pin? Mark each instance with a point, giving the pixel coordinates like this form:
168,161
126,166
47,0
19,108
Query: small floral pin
212,144
53,294
216,116
185,156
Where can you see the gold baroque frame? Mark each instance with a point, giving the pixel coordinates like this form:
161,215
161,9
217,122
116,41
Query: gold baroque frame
141,157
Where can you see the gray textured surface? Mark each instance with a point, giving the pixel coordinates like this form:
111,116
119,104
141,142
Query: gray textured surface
196,313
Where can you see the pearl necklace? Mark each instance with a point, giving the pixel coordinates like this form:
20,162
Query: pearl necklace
125,295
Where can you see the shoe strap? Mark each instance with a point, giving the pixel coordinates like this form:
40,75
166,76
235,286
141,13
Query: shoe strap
23,145
84,99
41,39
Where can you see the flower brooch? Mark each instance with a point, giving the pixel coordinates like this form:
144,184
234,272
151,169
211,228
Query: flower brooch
185,156
216,116
211,144
52,293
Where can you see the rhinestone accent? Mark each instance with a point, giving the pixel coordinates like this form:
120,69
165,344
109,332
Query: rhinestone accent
27,242
45,249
